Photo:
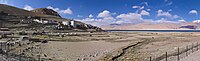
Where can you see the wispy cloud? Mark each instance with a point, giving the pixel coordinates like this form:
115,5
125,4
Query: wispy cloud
90,16
162,13
164,20
196,21
104,14
7,2
130,18
103,18
66,11
193,12
55,9
4,1
168,2
61,11
28,7
182,20
143,12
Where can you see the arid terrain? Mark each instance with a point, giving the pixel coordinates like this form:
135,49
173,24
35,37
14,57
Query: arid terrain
43,35
110,46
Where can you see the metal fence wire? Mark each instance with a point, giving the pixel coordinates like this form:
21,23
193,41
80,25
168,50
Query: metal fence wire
176,56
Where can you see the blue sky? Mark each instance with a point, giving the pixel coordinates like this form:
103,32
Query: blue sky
101,12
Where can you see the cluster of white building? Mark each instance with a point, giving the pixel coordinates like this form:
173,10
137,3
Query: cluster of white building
65,23
72,23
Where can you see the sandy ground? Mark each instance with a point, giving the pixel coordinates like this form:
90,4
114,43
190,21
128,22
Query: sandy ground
192,57
83,51
120,46
155,45
87,48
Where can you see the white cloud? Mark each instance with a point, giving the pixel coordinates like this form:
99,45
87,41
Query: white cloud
170,10
163,20
196,21
135,6
104,18
143,12
141,8
161,13
27,7
6,2
90,16
148,9
138,7
66,11
193,12
167,15
119,22
170,3
176,16
104,14
146,3
130,17
79,16
182,20
55,9
97,22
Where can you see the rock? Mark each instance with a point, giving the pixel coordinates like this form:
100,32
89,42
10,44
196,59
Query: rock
45,55
127,58
83,59
78,59
96,54
90,55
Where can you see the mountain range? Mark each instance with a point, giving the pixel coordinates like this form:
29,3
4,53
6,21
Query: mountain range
153,26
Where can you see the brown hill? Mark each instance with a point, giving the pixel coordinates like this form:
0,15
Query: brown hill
21,12
15,11
13,17
46,11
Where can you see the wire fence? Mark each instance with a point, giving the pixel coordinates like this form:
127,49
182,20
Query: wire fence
6,55
178,54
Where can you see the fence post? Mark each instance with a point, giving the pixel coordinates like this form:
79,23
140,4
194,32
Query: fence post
5,46
178,54
1,46
197,46
192,47
8,47
187,50
150,59
20,55
166,56
39,58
